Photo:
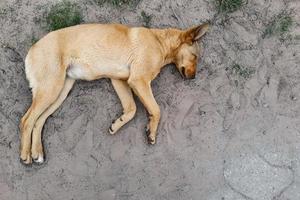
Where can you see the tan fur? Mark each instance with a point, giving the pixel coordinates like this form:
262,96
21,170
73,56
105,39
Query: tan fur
130,57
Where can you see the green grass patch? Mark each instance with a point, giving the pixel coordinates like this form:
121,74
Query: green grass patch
146,19
241,71
228,6
278,26
63,14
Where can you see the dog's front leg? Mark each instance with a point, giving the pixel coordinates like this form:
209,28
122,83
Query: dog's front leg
143,90
129,108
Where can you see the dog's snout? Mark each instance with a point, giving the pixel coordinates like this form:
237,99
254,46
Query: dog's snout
190,73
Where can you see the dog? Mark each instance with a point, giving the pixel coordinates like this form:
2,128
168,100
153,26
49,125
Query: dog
130,56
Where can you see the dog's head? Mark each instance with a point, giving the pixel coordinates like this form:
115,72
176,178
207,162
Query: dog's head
187,54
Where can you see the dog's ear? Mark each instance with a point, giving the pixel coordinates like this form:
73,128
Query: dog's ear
193,34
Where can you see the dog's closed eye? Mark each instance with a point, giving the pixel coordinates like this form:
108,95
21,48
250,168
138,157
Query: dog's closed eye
195,56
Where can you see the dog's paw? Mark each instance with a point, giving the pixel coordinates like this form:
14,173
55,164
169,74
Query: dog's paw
38,159
110,130
151,140
37,153
147,130
25,158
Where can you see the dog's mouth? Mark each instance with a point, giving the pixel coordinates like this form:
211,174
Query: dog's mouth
183,72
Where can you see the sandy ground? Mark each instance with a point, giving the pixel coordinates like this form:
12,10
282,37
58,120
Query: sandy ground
222,136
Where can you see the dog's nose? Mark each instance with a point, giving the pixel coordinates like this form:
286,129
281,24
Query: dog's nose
193,76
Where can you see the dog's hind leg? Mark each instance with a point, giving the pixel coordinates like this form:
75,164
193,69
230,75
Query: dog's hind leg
129,108
46,79
43,97
37,147
143,90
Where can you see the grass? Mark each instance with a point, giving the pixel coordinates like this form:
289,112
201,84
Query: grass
63,14
34,40
146,19
228,6
278,26
118,3
241,71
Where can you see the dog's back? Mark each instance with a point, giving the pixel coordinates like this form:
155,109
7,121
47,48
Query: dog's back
87,51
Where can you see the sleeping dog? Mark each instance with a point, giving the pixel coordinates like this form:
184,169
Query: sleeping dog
130,56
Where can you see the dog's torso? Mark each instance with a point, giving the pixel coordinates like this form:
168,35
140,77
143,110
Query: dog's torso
95,51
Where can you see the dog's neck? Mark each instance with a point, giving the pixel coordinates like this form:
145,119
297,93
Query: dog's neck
169,40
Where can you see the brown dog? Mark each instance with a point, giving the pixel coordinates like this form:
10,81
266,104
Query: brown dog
130,57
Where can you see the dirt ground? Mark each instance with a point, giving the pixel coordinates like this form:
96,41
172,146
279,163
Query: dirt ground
233,133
